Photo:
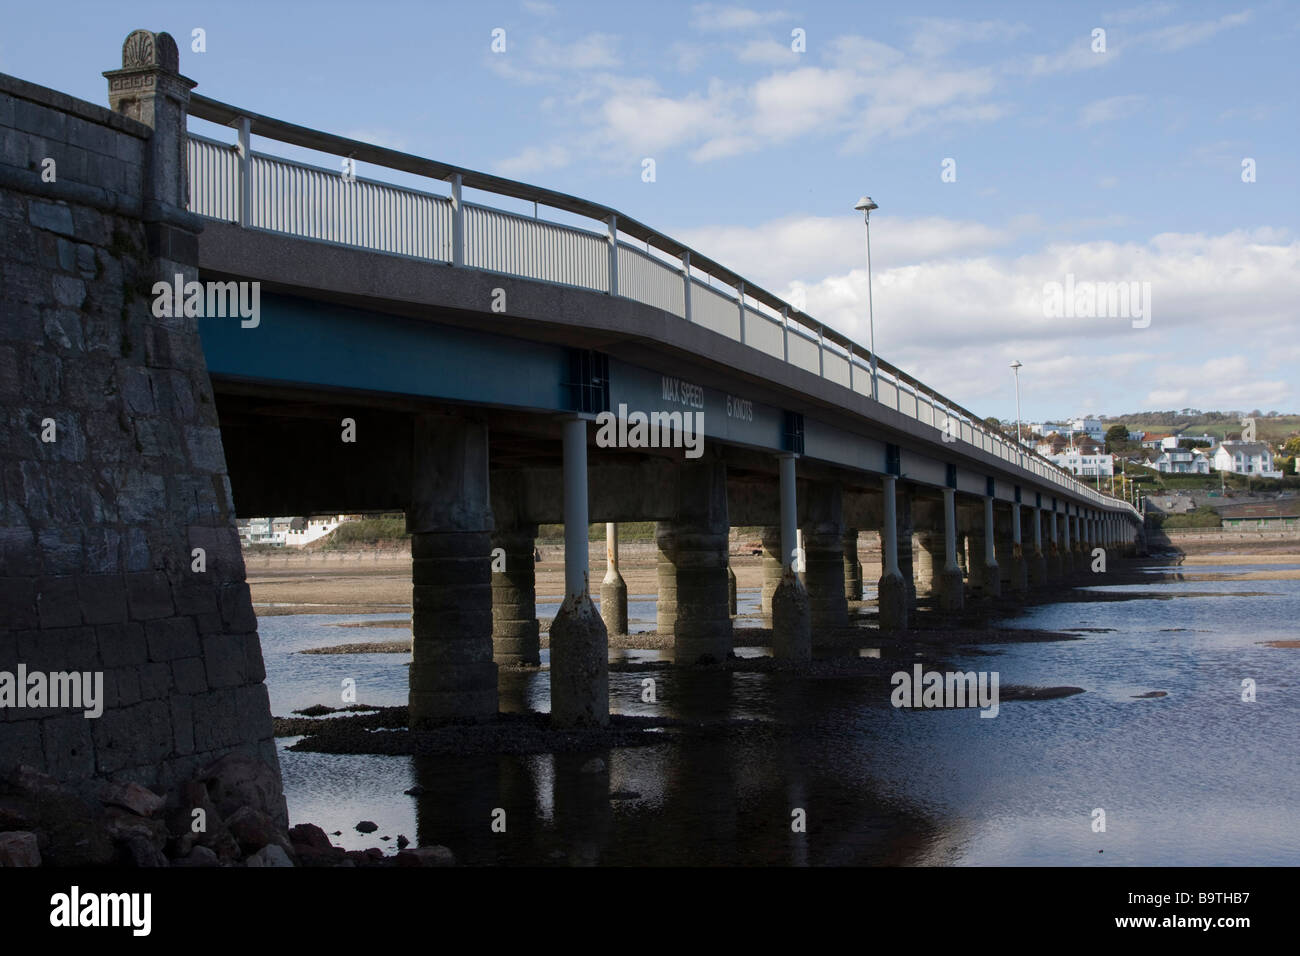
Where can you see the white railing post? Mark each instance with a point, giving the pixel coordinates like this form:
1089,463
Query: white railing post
244,170
740,298
612,223
686,284
785,332
457,223
821,353
850,351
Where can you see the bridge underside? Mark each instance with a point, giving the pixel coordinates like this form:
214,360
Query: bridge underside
475,482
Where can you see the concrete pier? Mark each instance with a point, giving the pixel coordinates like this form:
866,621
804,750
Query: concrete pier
452,674
515,629
948,586
1019,572
579,642
694,587
613,589
773,565
791,614
823,556
891,595
852,566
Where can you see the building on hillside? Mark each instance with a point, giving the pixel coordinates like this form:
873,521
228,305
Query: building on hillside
1183,461
1175,504
1208,440
1047,429
1244,458
1155,441
1092,427
1085,464
1136,436
316,528
1264,516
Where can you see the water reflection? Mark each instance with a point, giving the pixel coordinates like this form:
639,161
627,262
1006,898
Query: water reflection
1197,777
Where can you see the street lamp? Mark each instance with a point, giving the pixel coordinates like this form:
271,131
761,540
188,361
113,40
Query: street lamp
866,204
1015,368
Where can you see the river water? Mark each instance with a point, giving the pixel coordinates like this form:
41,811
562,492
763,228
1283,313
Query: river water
1195,777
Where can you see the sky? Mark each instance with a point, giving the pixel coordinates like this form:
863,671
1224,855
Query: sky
1013,149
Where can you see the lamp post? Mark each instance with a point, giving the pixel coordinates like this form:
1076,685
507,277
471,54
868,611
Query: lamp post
866,204
1015,368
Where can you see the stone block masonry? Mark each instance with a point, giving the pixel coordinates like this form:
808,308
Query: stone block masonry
111,467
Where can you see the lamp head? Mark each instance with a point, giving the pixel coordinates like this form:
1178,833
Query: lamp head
865,205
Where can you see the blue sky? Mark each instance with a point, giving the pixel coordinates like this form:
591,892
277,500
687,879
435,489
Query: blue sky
1116,165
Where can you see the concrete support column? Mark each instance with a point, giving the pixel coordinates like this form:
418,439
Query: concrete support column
452,675
731,585
906,526
1038,560
772,566
927,556
613,589
694,605
1019,566
1054,567
985,577
891,594
1067,549
579,642
949,583
515,638
852,566
791,615
823,556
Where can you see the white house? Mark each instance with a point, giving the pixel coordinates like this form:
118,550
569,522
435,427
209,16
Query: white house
1182,461
1091,427
317,528
1085,464
1245,458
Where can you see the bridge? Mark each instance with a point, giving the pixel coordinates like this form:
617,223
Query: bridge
488,340
415,350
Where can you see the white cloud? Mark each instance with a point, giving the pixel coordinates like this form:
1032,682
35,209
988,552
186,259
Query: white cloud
934,36
712,16
594,51
768,52
1237,291
534,159
539,8
1110,108
1139,14
1182,35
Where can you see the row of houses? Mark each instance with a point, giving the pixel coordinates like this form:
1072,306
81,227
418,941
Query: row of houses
289,532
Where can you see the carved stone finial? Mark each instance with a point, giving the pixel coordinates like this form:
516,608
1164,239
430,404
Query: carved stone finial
144,48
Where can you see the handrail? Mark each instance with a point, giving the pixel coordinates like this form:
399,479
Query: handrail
799,322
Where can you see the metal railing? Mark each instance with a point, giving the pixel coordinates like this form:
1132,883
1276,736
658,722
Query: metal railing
259,191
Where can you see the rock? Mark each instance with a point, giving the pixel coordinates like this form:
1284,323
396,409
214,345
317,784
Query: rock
311,835
318,856
19,848
70,827
120,824
270,855
131,796
402,842
136,849
237,780
366,826
199,856
255,830
426,856
13,815
594,765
